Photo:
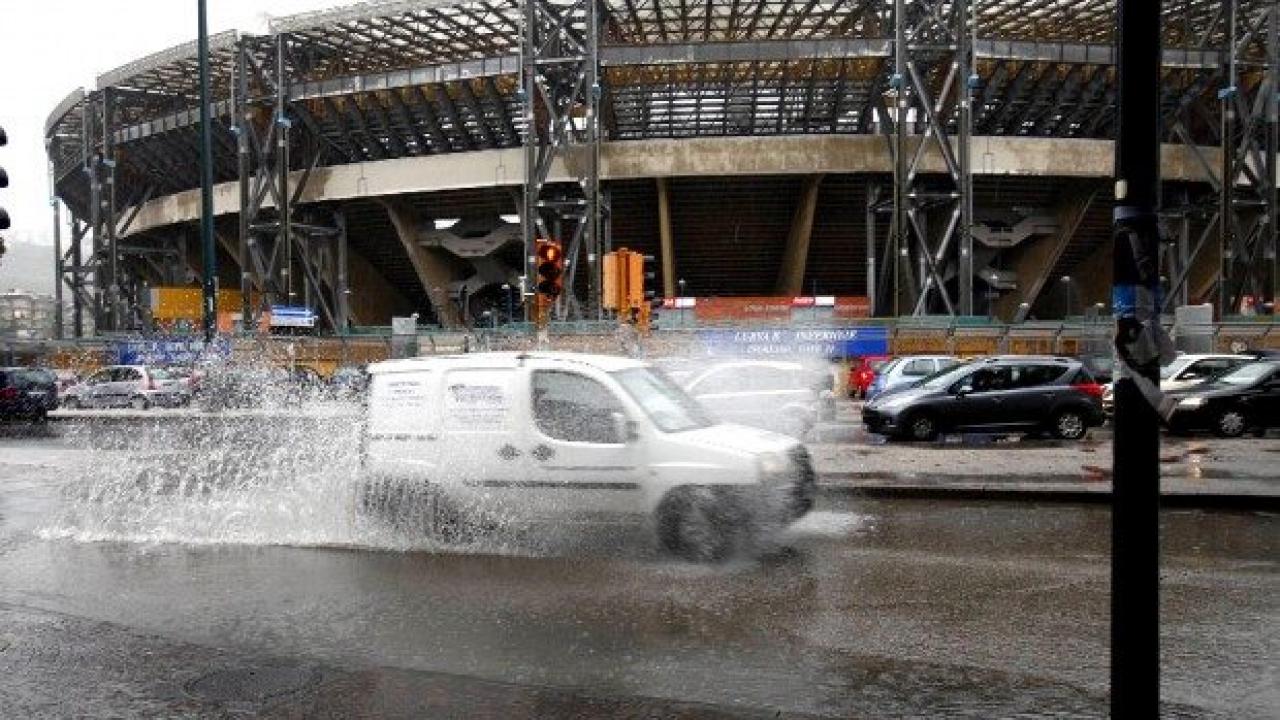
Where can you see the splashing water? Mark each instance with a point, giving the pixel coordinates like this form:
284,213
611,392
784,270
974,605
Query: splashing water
275,475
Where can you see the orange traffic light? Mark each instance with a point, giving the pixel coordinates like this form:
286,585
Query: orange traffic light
550,268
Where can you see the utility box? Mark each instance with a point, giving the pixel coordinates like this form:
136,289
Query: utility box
1193,328
404,337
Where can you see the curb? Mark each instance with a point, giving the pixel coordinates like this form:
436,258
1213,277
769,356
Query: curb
1083,495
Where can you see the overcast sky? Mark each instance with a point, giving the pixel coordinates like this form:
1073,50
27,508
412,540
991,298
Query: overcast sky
48,48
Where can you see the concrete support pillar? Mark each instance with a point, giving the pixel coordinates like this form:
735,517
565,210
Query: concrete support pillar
796,255
664,233
436,268
1035,259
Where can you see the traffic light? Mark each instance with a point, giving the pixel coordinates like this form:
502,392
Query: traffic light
4,183
550,268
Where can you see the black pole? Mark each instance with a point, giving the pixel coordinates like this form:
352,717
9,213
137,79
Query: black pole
206,182
1135,543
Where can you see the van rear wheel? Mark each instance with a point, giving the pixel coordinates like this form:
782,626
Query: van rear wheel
412,507
695,524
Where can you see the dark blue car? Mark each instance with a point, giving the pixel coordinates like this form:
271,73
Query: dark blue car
27,393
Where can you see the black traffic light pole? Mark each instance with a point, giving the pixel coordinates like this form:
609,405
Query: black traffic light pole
210,304
1135,542
4,183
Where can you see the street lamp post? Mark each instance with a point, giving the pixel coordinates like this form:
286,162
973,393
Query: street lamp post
1066,283
208,248
506,290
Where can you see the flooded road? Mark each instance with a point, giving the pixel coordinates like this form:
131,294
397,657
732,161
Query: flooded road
866,608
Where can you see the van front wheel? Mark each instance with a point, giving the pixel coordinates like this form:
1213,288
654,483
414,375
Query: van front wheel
695,524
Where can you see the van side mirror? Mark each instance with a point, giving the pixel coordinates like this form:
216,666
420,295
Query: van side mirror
624,429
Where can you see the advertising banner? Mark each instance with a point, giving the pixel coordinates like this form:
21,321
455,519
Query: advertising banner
789,342
167,351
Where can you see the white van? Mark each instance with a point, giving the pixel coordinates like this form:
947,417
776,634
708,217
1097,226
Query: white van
548,435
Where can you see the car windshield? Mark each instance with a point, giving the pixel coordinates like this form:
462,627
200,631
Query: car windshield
888,366
29,379
1247,374
1173,368
160,374
669,407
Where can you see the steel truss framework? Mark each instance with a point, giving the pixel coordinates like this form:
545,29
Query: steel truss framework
404,78
561,93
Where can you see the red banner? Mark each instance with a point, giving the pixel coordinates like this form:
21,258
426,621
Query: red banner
773,308
852,307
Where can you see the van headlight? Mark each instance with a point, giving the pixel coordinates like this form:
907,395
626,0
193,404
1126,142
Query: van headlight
1194,401
772,464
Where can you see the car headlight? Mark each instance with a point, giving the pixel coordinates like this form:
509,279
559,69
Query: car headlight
1194,401
772,464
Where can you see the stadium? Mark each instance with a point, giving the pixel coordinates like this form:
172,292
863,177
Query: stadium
907,158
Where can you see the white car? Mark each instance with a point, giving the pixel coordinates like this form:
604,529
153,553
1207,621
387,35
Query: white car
136,386
1186,371
546,436
903,371
785,397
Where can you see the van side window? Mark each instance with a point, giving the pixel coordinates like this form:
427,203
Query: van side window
572,407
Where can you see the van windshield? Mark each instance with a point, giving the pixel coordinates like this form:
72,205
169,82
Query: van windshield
669,407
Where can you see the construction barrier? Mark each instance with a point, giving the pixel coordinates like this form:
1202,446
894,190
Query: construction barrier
901,337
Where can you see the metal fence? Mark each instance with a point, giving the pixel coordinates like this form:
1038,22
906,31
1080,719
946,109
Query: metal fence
903,337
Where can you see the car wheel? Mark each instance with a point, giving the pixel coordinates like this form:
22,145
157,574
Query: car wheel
1230,423
139,402
693,524
922,427
1069,425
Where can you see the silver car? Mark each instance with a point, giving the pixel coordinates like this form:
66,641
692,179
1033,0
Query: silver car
785,397
136,386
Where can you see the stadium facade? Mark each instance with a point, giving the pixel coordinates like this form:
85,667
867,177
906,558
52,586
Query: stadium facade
937,157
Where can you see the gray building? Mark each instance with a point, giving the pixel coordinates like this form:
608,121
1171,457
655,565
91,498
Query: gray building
26,315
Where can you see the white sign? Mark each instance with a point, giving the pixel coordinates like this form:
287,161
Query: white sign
477,400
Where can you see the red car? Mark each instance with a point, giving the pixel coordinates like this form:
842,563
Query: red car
863,373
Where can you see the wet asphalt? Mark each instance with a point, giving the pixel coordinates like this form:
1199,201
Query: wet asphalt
199,596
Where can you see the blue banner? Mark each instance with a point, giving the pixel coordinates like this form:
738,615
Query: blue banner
167,351
809,342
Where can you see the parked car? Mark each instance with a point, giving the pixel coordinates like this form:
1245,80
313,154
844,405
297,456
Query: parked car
1101,367
995,394
1186,371
904,371
863,373
781,396
136,386
27,393
349,382
66,378
228,386
1243,399
564,436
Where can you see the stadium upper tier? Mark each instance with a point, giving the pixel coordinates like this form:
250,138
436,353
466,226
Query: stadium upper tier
403,78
